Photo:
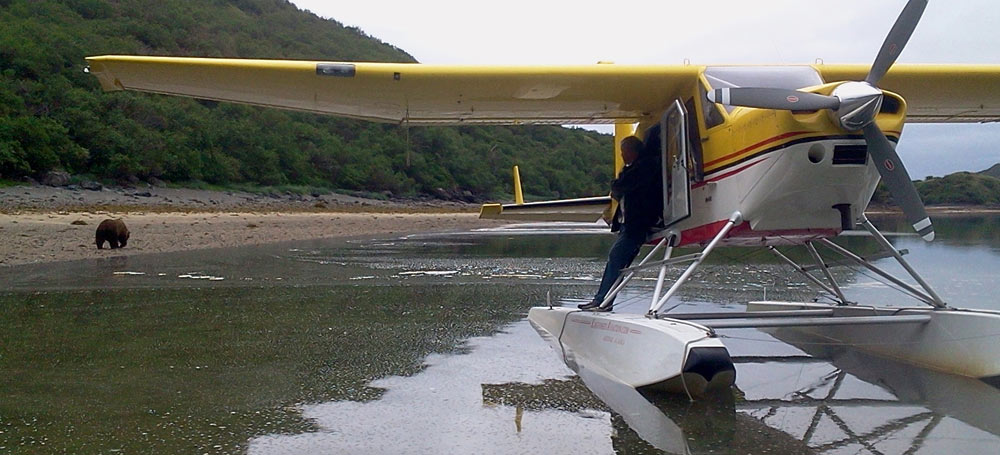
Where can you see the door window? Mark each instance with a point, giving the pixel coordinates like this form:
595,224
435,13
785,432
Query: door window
674,146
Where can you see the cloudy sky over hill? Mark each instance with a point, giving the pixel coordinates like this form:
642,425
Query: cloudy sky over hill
706,32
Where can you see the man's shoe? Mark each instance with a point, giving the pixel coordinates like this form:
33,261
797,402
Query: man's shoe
594,306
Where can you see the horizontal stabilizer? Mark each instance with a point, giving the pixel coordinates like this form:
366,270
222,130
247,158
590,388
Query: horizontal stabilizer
588,209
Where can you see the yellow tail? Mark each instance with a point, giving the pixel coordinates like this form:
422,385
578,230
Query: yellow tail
518,196
622,131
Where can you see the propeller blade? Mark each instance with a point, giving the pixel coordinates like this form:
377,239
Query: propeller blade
772,98
898,180
896,40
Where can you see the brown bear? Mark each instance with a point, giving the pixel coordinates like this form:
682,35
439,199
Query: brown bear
112,231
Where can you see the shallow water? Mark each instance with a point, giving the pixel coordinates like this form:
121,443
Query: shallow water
419,344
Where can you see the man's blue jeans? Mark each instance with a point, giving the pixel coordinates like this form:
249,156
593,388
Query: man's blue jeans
622,253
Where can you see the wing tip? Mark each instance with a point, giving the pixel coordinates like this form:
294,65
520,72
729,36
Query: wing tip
97,68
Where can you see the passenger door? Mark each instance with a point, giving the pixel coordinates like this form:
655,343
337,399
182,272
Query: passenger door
673,146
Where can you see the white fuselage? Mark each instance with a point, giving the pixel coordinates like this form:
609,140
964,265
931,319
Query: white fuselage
785,196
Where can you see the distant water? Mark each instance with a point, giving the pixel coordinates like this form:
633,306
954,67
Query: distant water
419,344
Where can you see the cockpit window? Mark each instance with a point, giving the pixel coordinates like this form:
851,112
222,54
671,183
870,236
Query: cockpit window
790,77
710,111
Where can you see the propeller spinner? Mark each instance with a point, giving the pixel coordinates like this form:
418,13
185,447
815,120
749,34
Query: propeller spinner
856,104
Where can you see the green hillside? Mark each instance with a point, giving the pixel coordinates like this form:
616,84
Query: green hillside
960,188
53,116
993,171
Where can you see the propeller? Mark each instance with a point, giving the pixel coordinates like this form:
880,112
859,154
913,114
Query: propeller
855,105
773,98
898,180
894,43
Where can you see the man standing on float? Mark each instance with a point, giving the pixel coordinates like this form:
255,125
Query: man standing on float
640,203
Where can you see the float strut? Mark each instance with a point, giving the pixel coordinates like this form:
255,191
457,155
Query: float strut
860,261
663,269
625,278
654,310
802,270
826,272
938,302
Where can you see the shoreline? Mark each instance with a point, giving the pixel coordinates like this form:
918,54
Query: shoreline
50,237
938,210
44,199
43,224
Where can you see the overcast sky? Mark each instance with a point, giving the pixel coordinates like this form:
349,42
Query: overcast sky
704,32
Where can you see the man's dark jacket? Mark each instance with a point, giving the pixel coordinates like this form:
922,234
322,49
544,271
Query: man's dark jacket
639,188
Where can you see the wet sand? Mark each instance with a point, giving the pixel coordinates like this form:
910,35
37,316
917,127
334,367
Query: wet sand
43,224
53,236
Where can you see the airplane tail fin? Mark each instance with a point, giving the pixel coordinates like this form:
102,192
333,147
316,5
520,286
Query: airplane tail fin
622,131
518,195
588,209
584,209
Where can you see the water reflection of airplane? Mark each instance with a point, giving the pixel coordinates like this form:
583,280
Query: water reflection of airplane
923,410
970,401
890,408
642,423
751,156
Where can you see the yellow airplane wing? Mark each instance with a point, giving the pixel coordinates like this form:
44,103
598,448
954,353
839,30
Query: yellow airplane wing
412,93
421,94
935,93
464,94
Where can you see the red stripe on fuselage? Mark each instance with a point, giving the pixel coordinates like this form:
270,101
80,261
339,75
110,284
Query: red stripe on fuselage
757,145
706,232
727,174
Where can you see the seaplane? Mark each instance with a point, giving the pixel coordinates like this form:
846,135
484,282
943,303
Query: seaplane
751,157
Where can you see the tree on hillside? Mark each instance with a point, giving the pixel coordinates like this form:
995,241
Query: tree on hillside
54,116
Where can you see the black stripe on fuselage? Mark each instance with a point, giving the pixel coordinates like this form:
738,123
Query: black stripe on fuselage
789,144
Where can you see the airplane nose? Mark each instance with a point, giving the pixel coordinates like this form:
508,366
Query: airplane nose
859,103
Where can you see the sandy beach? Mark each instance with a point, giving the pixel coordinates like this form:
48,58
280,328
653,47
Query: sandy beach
44,224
